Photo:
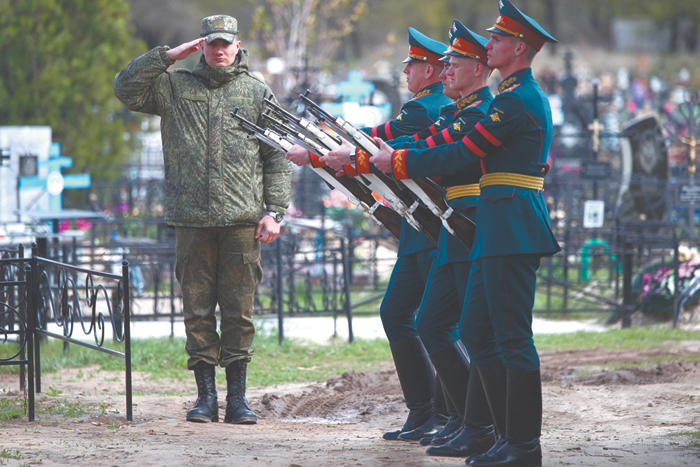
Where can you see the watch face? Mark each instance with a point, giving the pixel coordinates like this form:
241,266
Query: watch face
278,217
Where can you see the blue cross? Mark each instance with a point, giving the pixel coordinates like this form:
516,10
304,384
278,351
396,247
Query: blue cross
354,88
55,163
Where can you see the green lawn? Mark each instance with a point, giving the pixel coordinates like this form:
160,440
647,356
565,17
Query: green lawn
296,361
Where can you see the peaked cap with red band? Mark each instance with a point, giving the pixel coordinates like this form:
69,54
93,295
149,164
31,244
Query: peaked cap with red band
513,22
466,43
421,48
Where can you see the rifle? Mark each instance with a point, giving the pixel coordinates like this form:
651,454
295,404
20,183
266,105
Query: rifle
428,191
416,214
415,210
346,185
307,127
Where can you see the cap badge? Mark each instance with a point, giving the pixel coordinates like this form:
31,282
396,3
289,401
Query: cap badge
218,23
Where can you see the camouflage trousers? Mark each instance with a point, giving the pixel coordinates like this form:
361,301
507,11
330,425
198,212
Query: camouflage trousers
218,265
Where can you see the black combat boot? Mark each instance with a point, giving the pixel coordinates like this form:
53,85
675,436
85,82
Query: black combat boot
206,408
417,379
520,447
237,408
477,434
435,423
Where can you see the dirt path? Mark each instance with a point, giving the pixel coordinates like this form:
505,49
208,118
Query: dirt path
631,417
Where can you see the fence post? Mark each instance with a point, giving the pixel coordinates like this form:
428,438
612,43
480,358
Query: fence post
31,300
627,284
126,313
617,258
676,281
172,300
346,279
280,290
36,275
565,255
22,311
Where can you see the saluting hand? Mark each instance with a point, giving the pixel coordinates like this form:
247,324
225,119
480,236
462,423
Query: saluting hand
183,51
382,160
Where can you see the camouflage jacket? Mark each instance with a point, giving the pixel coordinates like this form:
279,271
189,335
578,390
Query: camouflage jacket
215,175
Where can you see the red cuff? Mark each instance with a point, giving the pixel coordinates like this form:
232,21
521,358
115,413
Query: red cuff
362,162
398,164
315,162
349,171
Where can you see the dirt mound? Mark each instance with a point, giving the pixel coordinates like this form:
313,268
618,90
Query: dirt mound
666,372
349,398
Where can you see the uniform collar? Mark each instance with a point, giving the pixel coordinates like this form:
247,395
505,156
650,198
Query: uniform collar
516,78
429,89
477,95
214,77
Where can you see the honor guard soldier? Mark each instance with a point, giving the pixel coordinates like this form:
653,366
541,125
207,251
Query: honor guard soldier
443,301
410,273
513,232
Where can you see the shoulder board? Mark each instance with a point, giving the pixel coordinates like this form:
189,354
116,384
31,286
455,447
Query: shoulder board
182,70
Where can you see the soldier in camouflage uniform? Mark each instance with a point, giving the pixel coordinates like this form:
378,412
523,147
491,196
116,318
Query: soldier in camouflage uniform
224,195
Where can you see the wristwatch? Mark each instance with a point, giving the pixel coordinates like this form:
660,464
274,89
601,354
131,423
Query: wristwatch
277,216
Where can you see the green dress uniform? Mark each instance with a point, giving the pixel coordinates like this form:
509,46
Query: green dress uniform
510,145
513,232
441,310
410,273
437,322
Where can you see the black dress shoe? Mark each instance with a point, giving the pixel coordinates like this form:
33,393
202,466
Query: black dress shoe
430,428
449,431
470,441
511,453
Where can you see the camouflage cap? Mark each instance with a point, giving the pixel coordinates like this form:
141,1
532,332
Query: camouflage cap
219,27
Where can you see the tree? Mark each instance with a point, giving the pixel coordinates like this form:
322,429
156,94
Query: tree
58,61
305,29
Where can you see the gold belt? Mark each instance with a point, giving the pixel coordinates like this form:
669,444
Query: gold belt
463,190
503,178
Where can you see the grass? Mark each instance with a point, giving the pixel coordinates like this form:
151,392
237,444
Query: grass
11,408
646,337
296,361
293,361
